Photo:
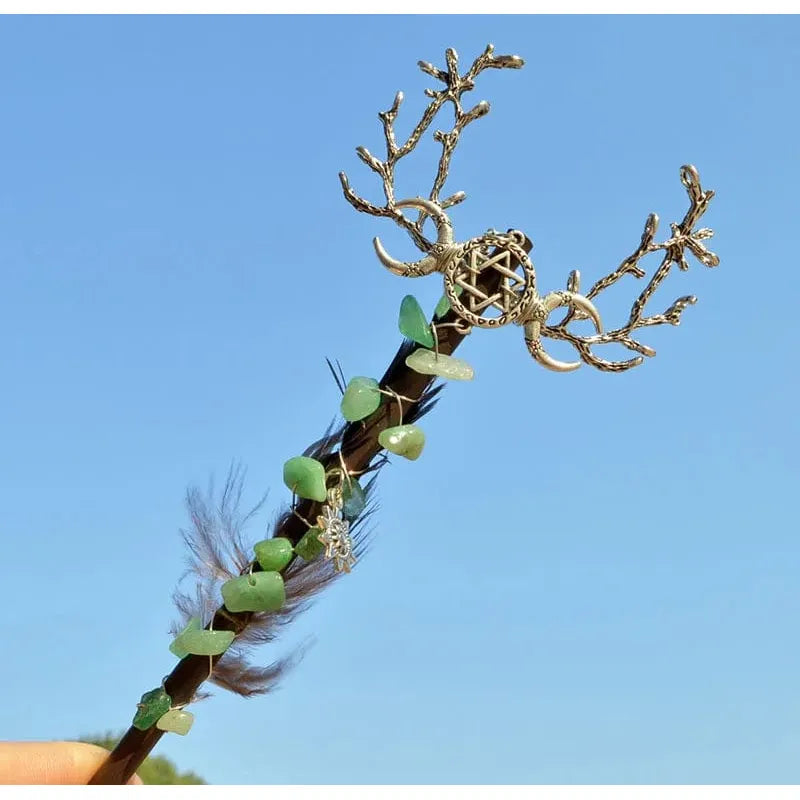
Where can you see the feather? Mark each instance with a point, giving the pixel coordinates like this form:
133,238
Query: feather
219,548
338,374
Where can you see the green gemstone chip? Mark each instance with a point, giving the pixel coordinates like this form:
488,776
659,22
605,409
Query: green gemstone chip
354,500
306,478
261,591
443,306
413,323
361,397
273,554
177,648
204,643
176,721
426,362
153,705
310,547
403,440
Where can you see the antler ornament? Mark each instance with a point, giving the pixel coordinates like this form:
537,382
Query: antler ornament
499,261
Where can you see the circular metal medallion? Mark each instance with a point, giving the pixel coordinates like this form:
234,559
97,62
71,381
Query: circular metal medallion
472,270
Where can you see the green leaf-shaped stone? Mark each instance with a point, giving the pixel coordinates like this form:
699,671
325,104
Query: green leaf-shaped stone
153,705
176,648
403,440
353,499
261,591
176,721
310,547
426,362
306,478
273,554
413,323
361,398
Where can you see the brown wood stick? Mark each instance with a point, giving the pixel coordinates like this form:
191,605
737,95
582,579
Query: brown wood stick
359,448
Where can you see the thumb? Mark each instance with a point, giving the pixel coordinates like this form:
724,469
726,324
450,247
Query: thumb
51,762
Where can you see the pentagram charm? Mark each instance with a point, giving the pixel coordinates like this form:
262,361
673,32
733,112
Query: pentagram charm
335,534
516,289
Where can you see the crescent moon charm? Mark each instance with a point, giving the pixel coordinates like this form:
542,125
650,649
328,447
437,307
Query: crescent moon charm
441,253
542,309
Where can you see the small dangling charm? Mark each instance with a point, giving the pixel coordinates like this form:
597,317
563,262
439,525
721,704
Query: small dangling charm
335,533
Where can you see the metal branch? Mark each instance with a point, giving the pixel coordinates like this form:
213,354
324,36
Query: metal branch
683,238
455,86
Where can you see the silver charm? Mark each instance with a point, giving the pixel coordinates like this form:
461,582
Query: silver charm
335,533
464,266
500,260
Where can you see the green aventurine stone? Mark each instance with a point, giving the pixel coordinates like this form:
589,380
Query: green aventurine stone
310,547
205,643
273,554
353,499
361,398
152,707
261,591
177,648
413,324
426,362
176,721
443,306
306,478
403,440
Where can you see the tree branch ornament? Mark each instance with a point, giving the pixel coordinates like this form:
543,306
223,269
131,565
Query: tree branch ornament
242,594
516,299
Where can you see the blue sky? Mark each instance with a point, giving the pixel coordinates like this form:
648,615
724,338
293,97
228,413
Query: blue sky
586,578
